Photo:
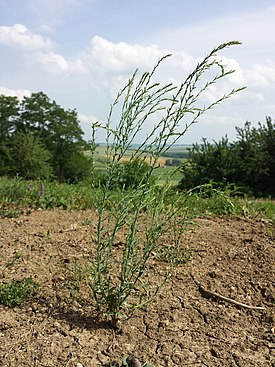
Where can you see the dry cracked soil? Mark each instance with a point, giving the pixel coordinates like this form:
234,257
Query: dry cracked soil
187,325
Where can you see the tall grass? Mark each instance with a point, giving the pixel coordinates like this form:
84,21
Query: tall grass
17,195
119,283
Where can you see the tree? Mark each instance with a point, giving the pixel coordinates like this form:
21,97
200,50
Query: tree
34,162
34,114
50,126
9,112
256,152
207,162
248,162
77,167
64,139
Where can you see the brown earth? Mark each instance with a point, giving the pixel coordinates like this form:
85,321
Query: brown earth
186,326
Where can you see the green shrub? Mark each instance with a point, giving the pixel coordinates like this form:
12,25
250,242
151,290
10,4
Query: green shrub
247,162
16,292
130,175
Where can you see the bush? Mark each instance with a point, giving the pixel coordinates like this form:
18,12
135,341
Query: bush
247,162
34,158
130,174
16,292
77,168
207,162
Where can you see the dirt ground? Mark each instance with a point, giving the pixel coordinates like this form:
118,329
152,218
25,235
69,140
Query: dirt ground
186,326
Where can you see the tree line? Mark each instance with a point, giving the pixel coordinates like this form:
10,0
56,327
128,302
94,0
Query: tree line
248,162
41,140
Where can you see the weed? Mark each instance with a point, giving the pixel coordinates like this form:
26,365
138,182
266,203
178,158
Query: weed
17,257
120,281
16,195
16,292
174,255
78,276
86,222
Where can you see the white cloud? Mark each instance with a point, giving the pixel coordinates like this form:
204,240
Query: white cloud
20,93
39,49
106,66
86,122
261,75
111,64
46,29
19,37
121,57
56,64
87,119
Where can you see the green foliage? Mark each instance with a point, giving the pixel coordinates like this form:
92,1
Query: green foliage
78,276
177,155
120,281
17,195
77,168
248,162
34,162
207,162
9,112
130,174
16,292
211,199
256,157
39,138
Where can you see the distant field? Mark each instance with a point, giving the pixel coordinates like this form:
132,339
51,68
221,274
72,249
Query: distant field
178,153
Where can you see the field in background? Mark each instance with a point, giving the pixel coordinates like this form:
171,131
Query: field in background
175,155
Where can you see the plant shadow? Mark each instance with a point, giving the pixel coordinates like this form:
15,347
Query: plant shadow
78,318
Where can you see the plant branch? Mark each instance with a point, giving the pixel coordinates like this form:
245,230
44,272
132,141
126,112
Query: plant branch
230,300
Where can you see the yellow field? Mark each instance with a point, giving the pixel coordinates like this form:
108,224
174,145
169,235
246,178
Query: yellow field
160,162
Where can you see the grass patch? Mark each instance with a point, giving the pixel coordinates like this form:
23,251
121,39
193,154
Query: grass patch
17,292
18,196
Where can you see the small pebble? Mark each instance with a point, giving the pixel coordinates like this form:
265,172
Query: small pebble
133,362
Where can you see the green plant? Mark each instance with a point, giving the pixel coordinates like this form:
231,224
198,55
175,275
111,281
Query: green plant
18,256
46,137
128,175
174,255
121,283
247,162
78,276
16,292
34,162
86,222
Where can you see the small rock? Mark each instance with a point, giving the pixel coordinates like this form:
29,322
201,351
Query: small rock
133,362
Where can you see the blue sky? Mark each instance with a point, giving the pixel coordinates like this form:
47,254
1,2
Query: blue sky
81,52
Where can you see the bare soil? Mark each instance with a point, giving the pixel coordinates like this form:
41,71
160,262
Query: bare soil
186,326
